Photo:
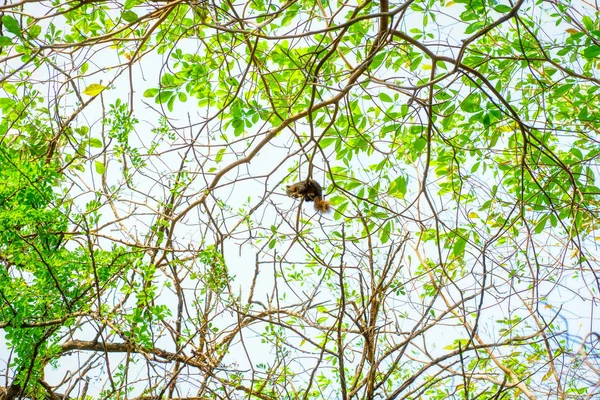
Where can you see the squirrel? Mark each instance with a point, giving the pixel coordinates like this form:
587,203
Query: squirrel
309,190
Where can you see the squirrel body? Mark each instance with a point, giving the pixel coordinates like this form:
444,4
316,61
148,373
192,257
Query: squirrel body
309,190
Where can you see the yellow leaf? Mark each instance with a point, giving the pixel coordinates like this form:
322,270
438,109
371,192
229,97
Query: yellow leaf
574,253
547,375
426,67
94,89
506,128
571,31
473,214
450,3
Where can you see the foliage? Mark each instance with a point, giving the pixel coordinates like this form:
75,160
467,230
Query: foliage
148,249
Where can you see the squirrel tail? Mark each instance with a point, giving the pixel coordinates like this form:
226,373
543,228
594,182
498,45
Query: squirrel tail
322,206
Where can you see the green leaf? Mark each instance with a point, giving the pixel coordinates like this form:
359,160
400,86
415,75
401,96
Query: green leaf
100,168
130,16
475,26
10,88
541,225
385,97
11,25
6,102
35,31
131,3
151,92
5,41
386,232
587,22
459,246
326,142
502,8
163,96
591,52
377,60
419,144
219,155
398,187
472,103
486,120
95,142
289,16
238,127
84,67
94,89
171,103
563,89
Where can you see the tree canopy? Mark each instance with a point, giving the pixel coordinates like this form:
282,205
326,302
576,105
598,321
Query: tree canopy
148,249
